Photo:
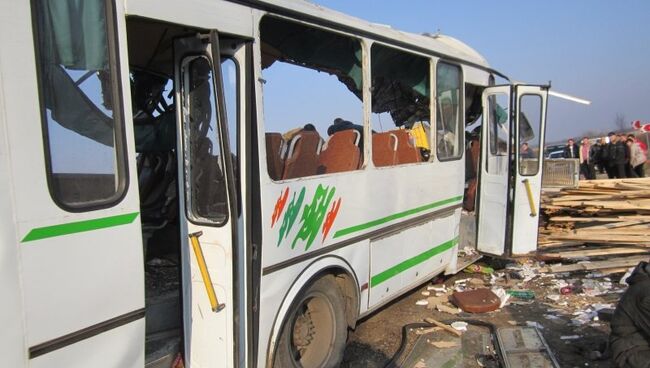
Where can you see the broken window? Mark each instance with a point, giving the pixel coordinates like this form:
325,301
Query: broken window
400,106
449,114
78,82
313,111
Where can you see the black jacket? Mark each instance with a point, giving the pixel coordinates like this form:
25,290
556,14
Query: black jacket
630,325
617,153
567,151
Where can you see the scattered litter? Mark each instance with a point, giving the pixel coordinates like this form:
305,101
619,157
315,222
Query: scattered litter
565,290
461,281
459,326
534,324
440,289
443,326
426,293
552,317
570,337
445,309
424,331
553,297
444,344
475,282
512,323
422,302
475,268
467,251
522,294
502,295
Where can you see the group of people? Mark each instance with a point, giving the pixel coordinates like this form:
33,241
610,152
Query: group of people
622,157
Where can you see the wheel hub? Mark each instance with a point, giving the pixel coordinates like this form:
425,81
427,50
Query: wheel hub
303,330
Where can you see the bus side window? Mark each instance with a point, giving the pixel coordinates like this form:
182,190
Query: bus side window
80,103
400,106
449,116
312,98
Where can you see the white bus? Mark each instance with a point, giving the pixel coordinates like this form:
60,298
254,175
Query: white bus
236,183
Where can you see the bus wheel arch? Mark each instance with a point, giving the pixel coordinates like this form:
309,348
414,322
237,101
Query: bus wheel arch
336,275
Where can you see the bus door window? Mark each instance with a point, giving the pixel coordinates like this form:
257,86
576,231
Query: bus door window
401,115
313,110
530,120
79,91
449,112
498,133
207,198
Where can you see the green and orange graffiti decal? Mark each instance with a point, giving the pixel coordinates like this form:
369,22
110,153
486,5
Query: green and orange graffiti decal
331,215
290,216
314,217
279,206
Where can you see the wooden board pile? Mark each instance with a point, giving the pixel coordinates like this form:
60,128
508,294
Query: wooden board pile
607,221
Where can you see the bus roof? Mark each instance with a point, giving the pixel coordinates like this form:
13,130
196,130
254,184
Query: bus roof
441,45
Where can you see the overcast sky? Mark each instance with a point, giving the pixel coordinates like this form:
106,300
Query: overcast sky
598,50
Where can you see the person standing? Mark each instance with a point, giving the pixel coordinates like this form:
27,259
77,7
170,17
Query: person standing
616,152
637,158
571,149
597,156
525,151
586,153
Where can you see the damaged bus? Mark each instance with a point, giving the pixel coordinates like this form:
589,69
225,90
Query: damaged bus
235,183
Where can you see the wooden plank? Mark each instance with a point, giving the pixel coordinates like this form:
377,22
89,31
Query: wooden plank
443,326
598,219
599,252
588,266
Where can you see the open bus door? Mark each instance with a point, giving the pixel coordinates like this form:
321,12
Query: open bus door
530,123
208,208
510,181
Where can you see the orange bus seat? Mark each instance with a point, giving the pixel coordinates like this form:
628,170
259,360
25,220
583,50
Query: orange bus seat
340,153
274,159
302,156
406,151
384,149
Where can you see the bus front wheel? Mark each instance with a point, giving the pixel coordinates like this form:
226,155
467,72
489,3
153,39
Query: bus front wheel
315,331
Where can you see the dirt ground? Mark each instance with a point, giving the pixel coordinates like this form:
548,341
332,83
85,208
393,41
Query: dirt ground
378,337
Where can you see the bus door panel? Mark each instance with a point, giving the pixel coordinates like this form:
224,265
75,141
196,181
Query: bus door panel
530,109
494,170
208,215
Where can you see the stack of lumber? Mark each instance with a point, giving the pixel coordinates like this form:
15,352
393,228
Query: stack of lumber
605,220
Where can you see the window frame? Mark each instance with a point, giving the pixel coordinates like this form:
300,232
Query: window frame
539,136
460,128
262,123
431,136
119,130
190,211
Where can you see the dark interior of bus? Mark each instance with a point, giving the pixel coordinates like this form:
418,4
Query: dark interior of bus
154,116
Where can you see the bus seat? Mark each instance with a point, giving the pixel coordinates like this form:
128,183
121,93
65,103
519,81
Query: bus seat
406,151
302,156
274,159
340,153
384,149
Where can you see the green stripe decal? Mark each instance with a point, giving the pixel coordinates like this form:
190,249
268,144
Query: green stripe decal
383,220
403,266
79,227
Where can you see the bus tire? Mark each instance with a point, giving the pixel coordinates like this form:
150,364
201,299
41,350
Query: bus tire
315,330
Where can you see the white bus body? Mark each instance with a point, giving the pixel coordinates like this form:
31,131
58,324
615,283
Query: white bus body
97,272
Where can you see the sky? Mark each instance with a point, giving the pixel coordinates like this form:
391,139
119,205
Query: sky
598,50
